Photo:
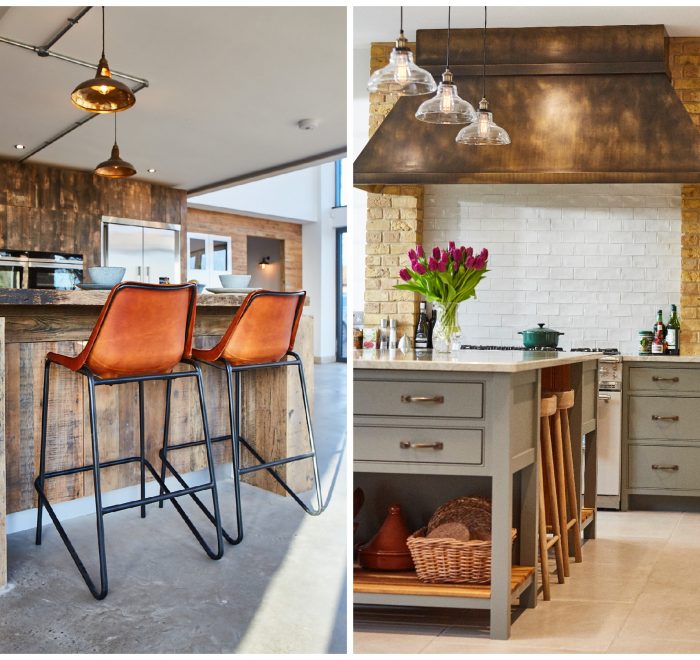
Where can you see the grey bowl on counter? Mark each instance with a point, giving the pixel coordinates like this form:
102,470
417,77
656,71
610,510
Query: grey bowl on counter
106,275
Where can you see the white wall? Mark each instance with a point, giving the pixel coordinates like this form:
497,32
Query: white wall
318,253
594,261
286,196
360,108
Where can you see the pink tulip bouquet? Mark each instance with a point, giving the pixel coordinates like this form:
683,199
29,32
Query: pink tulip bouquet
447,277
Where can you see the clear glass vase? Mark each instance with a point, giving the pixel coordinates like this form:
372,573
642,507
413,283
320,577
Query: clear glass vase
446,331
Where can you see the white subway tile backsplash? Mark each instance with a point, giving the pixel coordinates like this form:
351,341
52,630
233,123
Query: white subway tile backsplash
597,260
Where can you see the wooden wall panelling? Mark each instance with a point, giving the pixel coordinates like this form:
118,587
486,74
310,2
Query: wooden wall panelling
53,209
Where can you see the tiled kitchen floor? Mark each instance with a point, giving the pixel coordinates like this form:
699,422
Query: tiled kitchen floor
635,592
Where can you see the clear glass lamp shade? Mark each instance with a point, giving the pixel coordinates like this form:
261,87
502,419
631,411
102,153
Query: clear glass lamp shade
483,131
401,76
446,107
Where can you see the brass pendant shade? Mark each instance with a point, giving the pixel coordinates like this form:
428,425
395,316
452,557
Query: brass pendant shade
115,167
102,94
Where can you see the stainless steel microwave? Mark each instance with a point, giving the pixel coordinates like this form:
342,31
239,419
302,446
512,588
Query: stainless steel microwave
40,270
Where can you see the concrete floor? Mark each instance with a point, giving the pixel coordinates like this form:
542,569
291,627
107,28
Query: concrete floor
282,590
635,592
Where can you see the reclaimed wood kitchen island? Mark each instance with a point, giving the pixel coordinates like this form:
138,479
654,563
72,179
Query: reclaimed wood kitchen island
483,408
34,322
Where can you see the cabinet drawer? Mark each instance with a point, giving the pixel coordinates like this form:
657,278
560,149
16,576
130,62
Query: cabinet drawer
660,379
679,417
459,446
418,398
653,466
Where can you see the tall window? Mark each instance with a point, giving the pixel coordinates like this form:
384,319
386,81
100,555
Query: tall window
341,182
341,295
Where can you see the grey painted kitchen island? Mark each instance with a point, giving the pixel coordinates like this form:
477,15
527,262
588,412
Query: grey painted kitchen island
428,428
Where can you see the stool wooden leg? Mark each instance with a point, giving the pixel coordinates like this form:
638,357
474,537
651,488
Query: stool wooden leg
560,487
571,487
548,467
42,455
546,594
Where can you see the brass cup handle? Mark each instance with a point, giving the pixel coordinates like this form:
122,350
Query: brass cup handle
661,379
656,466
662,418
437,446
408,398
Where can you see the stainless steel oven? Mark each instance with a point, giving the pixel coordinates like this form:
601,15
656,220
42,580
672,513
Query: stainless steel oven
40,270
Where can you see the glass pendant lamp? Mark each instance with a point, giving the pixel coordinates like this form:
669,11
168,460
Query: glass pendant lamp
484,130
446,107
102,94
114,167
401,76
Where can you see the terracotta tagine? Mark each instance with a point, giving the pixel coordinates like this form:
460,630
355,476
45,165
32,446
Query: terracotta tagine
387,550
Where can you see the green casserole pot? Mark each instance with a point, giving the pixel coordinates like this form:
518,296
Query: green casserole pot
540,337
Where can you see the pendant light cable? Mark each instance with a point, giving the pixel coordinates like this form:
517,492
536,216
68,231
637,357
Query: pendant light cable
483,76
103,31
447,59
115,128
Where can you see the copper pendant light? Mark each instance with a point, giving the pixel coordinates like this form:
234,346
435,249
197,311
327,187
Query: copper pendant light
103,94
115,167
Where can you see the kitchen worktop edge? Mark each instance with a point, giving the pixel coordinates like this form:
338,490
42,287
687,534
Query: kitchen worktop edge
484,361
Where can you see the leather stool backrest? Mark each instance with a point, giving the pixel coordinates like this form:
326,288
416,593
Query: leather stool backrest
264,328
143,329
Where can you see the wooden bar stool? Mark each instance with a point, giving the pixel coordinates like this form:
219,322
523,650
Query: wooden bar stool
143,332
261,336
565,483
548,499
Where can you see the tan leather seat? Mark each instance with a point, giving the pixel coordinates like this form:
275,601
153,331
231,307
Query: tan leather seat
142,329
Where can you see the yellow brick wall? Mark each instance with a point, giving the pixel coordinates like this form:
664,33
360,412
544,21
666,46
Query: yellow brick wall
394,225
684,64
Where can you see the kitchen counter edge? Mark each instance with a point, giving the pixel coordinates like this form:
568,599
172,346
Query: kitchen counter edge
485,361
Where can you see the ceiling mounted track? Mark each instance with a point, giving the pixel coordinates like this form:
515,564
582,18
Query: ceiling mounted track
44,51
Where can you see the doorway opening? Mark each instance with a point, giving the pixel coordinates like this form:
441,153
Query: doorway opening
266,263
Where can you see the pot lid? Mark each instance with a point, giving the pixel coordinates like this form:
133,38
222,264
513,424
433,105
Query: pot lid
541,330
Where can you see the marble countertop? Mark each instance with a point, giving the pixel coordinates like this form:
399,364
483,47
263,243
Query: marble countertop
491,361
661,358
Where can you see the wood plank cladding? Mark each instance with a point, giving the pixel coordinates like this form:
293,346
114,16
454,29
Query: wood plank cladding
239,227
273,420
51,209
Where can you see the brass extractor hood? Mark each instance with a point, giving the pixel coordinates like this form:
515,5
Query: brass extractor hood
582,105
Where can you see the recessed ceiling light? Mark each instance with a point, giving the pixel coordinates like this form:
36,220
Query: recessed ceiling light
151,170
308,124
20,146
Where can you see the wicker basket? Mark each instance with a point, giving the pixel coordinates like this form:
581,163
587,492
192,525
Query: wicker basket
449,560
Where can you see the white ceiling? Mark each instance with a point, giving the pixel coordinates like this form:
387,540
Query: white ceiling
227,87
382,23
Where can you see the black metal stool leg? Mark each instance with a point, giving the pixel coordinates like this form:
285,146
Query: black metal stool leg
98,490
142,446
319,498
210,460
234,406
42,456
166,430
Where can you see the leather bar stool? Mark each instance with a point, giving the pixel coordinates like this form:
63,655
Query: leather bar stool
548,506
143,332
565,483
260,336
